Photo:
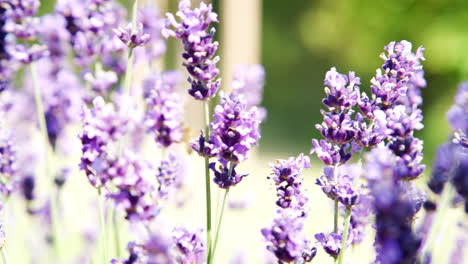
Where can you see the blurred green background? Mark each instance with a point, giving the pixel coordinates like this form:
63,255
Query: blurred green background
302,39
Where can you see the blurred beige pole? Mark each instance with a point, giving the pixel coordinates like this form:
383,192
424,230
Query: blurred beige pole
240,22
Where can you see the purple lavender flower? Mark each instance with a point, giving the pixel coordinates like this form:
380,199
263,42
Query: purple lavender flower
226,177
360,218
338,128
331,243
287,175
102,125
396,241
198,45
7,164
248,80
409,153
26,55
135,189
164,115
286,240
190,246
369,135
342,90
150,17
168,172
443,166
332,154
101,81
400,66
156,249
52,32
235,128
339,187
457,115
132,37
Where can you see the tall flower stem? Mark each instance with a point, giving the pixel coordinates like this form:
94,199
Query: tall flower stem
345,235
444,205
129,71
47,152
218,227
4,255
335,217
115,225
208,182
102,222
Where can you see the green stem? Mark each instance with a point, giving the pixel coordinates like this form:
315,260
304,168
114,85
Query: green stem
47,152
208,182
335,218
4,255
129,72
115,225
102,222
439,217
218,228
345,235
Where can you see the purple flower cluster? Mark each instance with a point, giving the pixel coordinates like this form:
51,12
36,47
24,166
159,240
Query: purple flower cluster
168,174
101,126
400,70
135,190
190,247
248,80
224,176
91,25
18,26
386,116
164,114
199,47
285,237
337,126
154,250
235,128
288,180
7,164
150,17
337,184
132,37
396,242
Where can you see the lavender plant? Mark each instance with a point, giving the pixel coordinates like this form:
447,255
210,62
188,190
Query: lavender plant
90,66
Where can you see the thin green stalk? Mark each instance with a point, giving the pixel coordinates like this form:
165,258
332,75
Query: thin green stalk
47,152
218,228
345,235
335,218
115,225
4,255
447,195
208,182
102,222
129,72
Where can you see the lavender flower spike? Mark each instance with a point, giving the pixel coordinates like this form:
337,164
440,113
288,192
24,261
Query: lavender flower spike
288,180
190,247
132,39
235,128
285,239
199,47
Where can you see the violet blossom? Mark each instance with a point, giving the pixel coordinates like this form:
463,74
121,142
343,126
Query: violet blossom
199,46
190,247
235,128
287,176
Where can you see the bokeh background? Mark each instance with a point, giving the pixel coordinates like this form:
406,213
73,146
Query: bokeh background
297,41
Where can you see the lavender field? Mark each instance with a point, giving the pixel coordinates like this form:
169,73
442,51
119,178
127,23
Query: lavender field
167,131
